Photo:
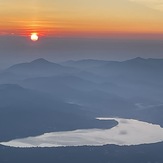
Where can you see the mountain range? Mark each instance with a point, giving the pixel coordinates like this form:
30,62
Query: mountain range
42,96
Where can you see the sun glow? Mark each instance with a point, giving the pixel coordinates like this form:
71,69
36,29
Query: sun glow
34,36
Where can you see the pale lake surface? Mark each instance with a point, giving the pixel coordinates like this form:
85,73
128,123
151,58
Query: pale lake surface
127,132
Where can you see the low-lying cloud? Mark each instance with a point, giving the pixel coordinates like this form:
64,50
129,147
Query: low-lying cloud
127,132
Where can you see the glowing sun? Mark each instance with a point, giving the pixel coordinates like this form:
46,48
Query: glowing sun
34,37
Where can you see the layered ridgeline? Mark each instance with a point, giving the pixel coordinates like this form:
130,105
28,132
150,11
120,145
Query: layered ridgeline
42,96
25,112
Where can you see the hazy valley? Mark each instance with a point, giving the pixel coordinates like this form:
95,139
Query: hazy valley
43,97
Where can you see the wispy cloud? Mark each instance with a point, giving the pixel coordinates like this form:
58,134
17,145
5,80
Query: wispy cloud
155,4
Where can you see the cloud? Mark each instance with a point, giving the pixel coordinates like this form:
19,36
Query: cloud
154,4
123,132
123,121
127,132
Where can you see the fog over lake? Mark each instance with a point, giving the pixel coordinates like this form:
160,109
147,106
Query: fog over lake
127,132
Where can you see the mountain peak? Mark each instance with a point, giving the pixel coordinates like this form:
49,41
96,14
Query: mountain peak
40,60
137,59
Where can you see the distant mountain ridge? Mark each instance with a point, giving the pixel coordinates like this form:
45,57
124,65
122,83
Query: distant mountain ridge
40,67
105,88
87,63
38,63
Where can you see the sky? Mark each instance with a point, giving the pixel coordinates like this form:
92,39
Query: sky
108,19
68,17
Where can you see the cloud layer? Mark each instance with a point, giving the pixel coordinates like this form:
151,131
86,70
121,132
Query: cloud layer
155,4
127,132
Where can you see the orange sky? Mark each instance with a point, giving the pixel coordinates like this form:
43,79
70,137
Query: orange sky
81,17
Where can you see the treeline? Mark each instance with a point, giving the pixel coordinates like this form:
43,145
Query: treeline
107,154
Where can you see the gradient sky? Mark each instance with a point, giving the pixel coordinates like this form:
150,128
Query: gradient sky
71,17
80,29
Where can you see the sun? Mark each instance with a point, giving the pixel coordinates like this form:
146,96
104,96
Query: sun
34,36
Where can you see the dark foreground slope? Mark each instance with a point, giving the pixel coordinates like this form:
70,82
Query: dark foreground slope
107,154
25,112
